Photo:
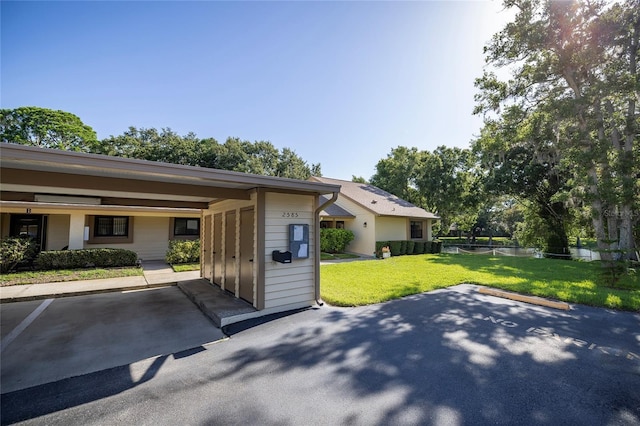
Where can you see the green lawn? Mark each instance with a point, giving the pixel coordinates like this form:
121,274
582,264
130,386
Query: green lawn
184,267
38,277
374,281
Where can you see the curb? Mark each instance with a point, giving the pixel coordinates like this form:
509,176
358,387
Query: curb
83,292
527,299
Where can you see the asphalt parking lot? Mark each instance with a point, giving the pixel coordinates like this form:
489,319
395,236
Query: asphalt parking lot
452,357
48,340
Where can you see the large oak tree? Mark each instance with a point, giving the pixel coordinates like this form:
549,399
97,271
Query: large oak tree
577,62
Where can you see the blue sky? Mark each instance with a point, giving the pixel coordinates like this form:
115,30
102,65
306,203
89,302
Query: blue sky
341,83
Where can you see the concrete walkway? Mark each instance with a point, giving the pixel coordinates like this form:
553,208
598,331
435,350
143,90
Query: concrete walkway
219,306
156,274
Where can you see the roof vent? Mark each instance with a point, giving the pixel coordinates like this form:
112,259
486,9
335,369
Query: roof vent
373,201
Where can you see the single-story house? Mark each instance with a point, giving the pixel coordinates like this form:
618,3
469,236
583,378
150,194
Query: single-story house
259,234
374,215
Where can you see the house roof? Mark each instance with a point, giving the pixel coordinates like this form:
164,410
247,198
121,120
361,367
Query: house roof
48,171
376,200
334,210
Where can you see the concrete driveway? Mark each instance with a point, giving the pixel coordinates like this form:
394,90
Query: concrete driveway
449,357
48,340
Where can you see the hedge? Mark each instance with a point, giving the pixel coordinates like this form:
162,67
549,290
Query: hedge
183,251
410,246
400,248
334,240
396,248
87,258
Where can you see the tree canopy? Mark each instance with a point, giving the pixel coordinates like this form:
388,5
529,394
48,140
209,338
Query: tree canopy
46,128
62,130
575,64
445,181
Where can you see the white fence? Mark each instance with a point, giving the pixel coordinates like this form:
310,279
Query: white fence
582,253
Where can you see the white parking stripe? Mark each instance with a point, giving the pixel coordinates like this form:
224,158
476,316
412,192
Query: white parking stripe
24,324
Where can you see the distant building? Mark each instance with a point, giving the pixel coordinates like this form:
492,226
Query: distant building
374,215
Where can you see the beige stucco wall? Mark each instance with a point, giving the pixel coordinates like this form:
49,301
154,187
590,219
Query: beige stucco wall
150,228
379,228
391,228
57,231
364,241
150,238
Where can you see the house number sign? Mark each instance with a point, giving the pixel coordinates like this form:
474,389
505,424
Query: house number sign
290,214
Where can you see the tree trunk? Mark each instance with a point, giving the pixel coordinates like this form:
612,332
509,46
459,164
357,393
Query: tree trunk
598,218
626,232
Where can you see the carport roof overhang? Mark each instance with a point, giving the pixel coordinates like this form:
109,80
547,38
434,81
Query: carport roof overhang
27,169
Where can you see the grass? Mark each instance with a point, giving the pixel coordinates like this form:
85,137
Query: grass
337,256
39,277
184,267
366,282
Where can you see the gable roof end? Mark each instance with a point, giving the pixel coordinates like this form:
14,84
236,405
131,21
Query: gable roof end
334,210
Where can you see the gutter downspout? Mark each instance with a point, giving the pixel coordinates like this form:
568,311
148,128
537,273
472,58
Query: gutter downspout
316,240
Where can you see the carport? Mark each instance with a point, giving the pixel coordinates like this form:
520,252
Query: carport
259,234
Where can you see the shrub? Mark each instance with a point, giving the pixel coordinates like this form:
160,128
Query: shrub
14,250
418,247
183,251
334,240
436,246
396,248
410,246
403,247
86,258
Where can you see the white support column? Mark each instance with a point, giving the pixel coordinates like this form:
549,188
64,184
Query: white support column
76,231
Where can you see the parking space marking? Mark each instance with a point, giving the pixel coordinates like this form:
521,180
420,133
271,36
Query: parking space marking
23,325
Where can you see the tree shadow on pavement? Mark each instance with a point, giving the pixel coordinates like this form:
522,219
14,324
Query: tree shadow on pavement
453,357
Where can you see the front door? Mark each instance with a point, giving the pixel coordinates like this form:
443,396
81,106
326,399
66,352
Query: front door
206,249
217,248
30,225
230,252
246,255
